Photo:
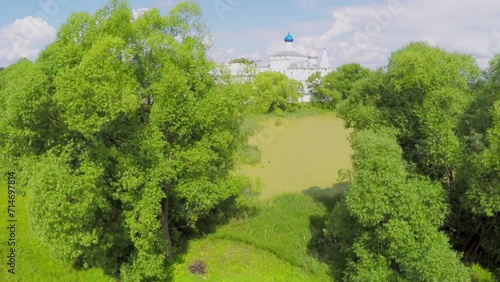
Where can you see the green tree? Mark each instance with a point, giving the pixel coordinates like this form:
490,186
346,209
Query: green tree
337,85
387,226
475,223
322,90
345,76
273,91
243,61
363,108
122,135
427,91
445,113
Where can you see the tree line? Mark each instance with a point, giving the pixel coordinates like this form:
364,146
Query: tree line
425,194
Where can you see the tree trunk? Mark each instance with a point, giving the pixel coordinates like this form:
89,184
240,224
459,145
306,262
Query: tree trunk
450,175
165,222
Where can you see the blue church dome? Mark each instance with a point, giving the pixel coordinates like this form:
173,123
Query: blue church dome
289,38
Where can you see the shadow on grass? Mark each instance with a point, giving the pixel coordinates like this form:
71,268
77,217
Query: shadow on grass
221,215
321,245
208,224
329,196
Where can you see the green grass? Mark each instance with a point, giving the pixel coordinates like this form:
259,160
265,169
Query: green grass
228,260
272,245
250,124
280,232
248,154
281,226
33,258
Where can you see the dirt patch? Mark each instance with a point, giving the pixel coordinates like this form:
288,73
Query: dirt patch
197,267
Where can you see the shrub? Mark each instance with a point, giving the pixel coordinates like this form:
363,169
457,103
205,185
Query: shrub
479,274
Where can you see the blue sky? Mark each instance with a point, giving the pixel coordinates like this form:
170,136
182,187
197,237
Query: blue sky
363,31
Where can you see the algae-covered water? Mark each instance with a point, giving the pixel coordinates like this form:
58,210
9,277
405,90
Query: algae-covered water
300,154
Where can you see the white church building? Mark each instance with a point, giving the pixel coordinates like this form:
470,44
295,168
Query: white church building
291,63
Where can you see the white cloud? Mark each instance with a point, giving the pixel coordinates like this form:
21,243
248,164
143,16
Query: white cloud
367,54
429,39
137,13
341,25
494,46
455,25
24,38
474,46
367,33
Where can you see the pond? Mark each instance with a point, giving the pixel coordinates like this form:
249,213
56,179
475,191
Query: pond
300,154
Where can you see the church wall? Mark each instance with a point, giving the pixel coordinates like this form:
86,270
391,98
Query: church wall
305,99
279,65
302,66
237,68
282,63
300,74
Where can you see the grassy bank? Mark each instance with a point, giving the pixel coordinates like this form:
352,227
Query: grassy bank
33,258
229,260
273,245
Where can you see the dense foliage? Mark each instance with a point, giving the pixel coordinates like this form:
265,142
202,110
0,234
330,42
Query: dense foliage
242,61
337,85
266,92
476,191
444,113
125,136
274,91
388,224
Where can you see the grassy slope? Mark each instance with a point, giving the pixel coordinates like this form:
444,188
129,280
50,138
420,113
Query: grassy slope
229,260
33,259
270,246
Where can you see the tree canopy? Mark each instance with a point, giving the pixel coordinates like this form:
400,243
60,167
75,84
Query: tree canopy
443,112
243,60
336,85
273,91
476,191
387,227
124,134
265,92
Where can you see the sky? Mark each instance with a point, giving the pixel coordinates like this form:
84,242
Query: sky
359,31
